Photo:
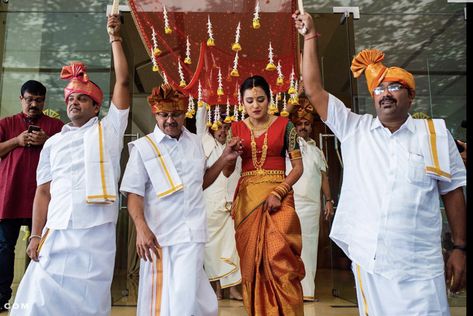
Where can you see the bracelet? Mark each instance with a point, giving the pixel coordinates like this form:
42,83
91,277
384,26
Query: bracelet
33,236
459,247
316,35
331,201
282,189
115,39
276,195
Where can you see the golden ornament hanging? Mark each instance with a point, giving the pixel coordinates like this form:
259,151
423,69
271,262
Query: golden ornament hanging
236,47
234,73
256,24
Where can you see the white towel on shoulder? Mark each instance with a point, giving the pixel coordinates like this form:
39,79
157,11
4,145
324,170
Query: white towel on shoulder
100,182
159,166
434,144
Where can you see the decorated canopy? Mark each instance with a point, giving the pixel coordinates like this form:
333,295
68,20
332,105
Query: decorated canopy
206,48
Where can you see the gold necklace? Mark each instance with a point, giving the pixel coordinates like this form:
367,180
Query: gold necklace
264,149
265,125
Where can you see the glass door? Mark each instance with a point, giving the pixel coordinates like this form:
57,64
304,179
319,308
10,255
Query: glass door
335,50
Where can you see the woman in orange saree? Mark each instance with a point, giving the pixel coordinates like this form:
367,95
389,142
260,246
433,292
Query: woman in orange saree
268,233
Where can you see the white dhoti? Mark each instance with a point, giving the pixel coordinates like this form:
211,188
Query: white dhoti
176,284
73,275
309,216
377,295
221,258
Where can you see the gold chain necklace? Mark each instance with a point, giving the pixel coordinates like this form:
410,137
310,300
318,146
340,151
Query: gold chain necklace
264,149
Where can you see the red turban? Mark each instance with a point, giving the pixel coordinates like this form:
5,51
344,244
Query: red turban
369,62
80,83
165,99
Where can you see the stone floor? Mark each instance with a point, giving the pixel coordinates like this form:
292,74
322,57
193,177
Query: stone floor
328,305
328,282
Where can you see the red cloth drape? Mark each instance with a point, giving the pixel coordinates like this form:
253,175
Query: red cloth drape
189,18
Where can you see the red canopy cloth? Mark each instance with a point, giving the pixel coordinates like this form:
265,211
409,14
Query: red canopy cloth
186,19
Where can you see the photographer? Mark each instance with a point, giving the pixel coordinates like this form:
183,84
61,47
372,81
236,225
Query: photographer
21,139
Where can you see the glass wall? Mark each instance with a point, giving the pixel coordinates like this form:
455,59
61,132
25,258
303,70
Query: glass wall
428,38
39,37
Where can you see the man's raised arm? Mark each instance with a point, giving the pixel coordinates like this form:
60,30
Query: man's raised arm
121,93
311,76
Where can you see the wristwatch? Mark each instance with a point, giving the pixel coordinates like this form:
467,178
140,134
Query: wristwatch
331,201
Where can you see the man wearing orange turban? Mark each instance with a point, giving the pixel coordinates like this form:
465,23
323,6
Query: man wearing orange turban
163,180
307,192
72,242
388,217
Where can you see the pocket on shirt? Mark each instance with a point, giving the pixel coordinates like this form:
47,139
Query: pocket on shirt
416,171
197,166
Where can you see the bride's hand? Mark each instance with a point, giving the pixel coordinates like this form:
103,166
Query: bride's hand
272,203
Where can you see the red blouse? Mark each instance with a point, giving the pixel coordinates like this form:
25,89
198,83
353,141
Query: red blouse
281,138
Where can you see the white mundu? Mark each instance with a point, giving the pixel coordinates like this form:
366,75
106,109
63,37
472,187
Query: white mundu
77,251
308,207
221,258
176,283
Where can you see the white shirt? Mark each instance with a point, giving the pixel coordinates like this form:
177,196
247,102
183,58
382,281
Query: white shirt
62,162
307,188
179,217
221,191
388,218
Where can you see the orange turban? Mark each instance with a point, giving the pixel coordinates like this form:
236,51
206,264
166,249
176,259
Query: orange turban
304,110
369,61
80,83
165,99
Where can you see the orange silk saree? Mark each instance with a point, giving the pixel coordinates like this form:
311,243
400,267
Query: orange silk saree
269,243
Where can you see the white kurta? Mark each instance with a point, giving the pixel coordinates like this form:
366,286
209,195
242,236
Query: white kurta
179,222
307,202
388,219
221,257
75,267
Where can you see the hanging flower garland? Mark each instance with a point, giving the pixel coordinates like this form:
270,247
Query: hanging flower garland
180,50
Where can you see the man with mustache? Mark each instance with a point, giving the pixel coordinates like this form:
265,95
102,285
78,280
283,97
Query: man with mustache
164,181
307,193
72,242
20,146
388,220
